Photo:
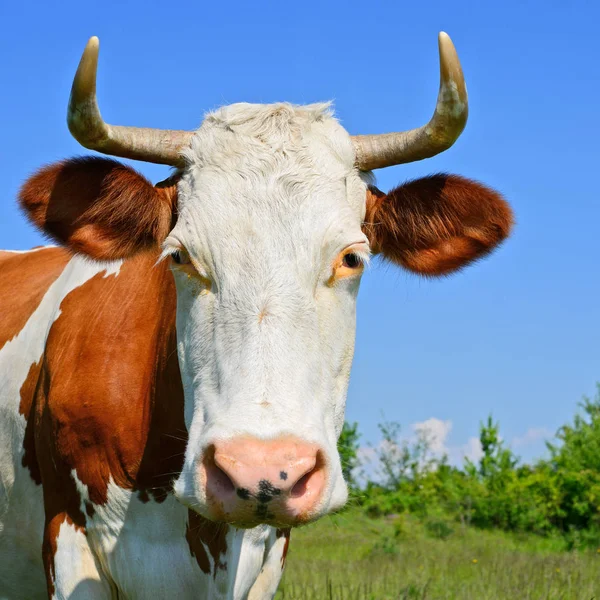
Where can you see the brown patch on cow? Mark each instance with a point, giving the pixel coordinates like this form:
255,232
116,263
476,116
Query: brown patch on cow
99,207
114,401
286,534
27,277
27,409
106,399
201,534
438,224
50,545
197,549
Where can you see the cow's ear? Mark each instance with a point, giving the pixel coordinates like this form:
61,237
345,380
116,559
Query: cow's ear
436,225
99,207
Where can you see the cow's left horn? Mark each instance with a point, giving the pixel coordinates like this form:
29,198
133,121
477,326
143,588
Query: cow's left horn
162,146
447,123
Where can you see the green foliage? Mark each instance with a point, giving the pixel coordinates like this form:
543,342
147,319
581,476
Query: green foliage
575,464
400,460
496,461
348,451
440,529
556,497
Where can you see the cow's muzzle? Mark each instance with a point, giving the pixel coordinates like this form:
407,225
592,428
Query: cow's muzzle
250,481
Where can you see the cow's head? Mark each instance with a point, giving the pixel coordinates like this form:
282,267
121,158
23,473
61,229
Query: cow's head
268,224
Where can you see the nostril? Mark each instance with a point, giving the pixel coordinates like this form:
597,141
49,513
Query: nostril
216,478
301,485
221,480
304,485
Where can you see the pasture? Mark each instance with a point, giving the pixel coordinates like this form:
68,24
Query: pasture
352,557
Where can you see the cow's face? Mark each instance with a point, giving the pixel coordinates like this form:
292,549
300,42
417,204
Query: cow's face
268,231
267,255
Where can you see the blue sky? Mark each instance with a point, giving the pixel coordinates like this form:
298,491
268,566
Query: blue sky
517,334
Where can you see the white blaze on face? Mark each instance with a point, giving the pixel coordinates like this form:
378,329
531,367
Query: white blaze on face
268,202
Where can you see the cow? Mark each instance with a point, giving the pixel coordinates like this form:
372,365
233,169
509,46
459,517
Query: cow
173,373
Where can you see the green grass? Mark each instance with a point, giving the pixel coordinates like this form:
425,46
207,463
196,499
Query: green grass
350,557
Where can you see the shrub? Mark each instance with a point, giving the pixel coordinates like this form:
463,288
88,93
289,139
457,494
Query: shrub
559,495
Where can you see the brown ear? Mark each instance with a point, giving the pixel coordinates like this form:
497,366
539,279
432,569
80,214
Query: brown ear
438,224
98,207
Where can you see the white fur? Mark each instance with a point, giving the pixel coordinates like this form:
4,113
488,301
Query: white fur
143,552
267,582
76,572
268,200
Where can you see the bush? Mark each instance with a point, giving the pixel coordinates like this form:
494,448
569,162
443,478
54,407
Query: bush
559,495
348,450
438,528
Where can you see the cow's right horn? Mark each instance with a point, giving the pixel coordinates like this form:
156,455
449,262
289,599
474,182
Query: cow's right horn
162,146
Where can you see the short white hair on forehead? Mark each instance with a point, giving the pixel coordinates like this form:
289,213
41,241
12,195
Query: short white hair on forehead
266,120
243,132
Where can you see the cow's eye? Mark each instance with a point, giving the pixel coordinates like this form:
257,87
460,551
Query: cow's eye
183,264
352,261
349,263
180,257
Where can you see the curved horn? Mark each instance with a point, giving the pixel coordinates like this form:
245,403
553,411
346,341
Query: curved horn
162,146
447,123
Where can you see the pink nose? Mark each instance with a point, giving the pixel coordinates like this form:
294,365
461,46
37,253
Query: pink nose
250,481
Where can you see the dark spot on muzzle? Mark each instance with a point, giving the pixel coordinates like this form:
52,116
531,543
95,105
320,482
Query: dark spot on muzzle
266,491
262,512
243,493
282,475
